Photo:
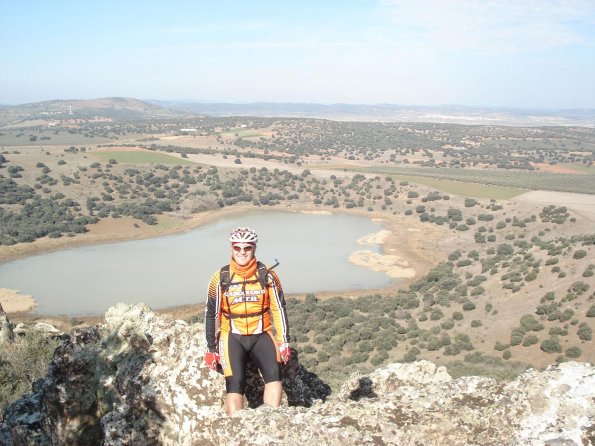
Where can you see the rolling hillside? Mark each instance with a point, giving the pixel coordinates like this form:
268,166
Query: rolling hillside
59,110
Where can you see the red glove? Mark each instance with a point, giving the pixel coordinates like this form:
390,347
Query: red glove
212,360
285,353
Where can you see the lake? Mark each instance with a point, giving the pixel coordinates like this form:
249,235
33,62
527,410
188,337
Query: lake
313,252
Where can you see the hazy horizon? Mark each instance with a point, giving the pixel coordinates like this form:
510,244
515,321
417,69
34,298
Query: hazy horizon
470,53
325,104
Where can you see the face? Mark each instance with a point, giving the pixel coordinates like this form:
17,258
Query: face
242,253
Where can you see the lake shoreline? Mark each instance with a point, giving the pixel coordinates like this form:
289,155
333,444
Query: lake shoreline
400,235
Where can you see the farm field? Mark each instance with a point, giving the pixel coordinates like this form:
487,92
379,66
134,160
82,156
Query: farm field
464,189
521,180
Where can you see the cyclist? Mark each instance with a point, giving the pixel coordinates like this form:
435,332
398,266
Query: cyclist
244,300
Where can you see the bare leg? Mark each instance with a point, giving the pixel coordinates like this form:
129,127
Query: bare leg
272,393
234,402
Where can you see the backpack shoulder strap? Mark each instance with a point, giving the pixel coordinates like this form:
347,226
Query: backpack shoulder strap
224,279
263,272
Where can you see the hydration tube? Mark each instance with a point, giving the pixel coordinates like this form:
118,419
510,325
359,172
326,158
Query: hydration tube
274,266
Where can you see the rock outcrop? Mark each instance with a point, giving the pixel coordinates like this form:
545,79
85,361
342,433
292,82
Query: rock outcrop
41,328
139,379
6,327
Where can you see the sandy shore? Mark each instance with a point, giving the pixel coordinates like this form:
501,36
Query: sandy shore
376,238
317,212
394,266
390,264
14,302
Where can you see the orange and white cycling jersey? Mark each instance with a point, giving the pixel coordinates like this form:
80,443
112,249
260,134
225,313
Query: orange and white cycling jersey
245,308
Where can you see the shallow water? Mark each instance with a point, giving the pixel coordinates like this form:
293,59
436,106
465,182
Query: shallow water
313,252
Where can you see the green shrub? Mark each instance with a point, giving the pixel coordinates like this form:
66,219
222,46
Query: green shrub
585,332
359,357
462,342
529,323
549,296
379,358
476,323
504,249
447,325
500,347
579,254
436,314
506,355
578,287
591,311
434,344
477,291
477,280
530,340
557,331
517,336
573,352
455,255
551,346
468,306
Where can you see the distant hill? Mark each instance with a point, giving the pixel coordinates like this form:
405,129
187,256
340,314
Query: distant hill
454,114
129,109
118,109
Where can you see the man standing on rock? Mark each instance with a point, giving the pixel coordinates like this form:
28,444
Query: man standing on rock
242,299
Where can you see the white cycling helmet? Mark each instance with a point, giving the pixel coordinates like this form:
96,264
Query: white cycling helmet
243,235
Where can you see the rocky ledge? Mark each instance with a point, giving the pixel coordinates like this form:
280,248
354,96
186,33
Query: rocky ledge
139,379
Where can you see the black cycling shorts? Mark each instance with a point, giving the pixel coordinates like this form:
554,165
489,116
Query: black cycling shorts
262,350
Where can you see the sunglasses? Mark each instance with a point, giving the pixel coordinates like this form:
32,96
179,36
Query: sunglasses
248,248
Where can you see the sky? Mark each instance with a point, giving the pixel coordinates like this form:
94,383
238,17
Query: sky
481,53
